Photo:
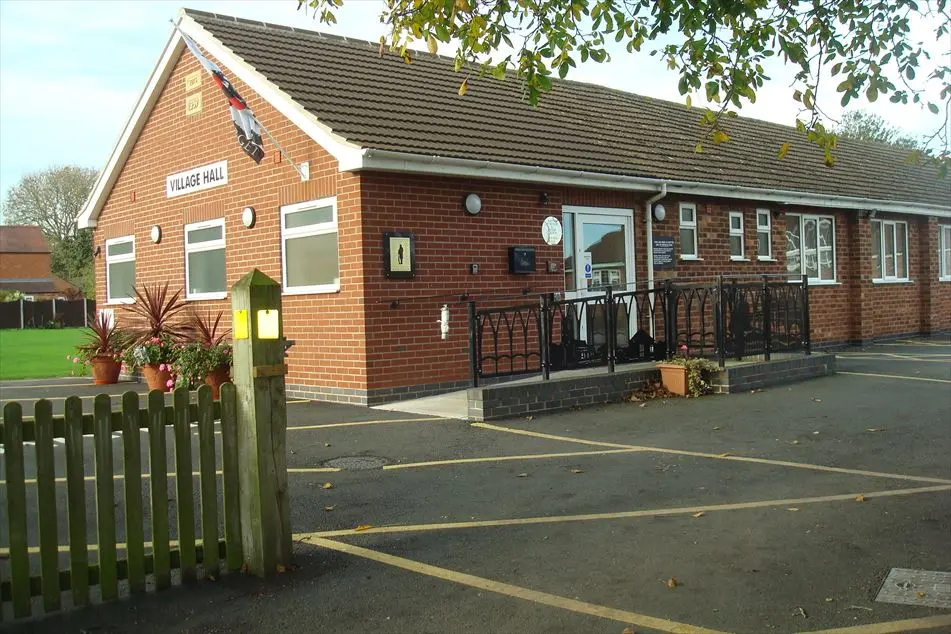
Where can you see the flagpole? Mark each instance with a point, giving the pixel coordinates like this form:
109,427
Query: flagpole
283,152
210,66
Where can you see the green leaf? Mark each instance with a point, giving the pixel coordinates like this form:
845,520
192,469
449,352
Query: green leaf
783,151
719,136
933,108
871,93
689,102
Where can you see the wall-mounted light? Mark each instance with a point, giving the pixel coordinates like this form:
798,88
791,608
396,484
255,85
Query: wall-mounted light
867,213
543,198
156,234
472,204
248,217
660,212
97,251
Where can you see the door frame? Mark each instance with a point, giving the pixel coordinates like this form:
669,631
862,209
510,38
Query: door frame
627,216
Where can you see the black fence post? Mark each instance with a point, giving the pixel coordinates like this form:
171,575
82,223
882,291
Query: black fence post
670,320
719,325
473,346
806,332
767,319
609,331
544,336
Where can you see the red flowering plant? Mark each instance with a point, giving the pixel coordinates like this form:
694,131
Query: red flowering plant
104,340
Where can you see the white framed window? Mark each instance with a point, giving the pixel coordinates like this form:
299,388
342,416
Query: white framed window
944,253
309,255
205,276
889,250
120,269
688,231
736,235
810,247
764,235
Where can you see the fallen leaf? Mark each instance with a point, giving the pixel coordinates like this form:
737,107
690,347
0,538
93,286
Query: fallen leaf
281,569
717,428
522,475
815,433
817,400
793,508
921,595
326,444
244,568
211,578
794,442
723,455
627,630
577,470
802,613
464,87
673,583
643,405
875,429
829,599
529,418
327,485
859,498
363,527
698,514
330,508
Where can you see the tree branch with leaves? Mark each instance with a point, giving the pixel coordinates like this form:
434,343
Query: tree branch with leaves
717,47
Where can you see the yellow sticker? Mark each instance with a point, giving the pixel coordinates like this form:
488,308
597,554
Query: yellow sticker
269,324
241,324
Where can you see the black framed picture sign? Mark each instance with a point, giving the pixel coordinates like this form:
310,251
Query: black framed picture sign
399,254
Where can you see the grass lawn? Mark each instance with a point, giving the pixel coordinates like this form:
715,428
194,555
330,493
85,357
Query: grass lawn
37,353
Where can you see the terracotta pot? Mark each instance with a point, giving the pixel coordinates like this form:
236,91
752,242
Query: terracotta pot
218,377
105,370
674,377
155,378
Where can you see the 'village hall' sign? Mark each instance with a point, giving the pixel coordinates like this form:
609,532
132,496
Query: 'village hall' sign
196,179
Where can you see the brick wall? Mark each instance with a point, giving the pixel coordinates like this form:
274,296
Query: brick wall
328,328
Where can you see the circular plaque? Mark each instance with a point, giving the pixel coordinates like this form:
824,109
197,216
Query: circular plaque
551,230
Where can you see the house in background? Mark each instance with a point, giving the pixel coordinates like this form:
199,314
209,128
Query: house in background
25,265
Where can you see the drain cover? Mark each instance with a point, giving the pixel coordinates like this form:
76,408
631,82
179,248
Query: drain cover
916,587
356,463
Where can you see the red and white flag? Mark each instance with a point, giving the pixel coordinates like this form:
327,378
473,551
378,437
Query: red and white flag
246,124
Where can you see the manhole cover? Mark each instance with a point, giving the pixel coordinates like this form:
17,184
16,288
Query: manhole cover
356,463
917,587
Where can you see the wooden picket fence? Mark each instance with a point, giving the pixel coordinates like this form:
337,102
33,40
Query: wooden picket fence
75,573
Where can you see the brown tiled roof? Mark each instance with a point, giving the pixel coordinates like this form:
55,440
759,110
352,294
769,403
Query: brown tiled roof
388,105
22,239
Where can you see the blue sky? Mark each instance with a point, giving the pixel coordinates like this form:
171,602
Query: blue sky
71,72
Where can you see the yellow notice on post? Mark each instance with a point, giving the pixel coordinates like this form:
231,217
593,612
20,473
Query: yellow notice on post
269,324
241,324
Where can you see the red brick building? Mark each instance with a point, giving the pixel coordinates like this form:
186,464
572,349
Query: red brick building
390,147
25,265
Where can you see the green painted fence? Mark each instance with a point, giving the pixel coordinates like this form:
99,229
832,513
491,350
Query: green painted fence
117,434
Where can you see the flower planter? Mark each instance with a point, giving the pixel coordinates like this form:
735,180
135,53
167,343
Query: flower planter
105,370
216,378
155,378
674,377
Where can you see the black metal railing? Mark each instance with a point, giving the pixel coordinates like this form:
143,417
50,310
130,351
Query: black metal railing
731,318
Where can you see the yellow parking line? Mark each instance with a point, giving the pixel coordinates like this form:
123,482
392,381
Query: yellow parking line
700,454
892,627
534,456
895,376
357,423
589,517
518,592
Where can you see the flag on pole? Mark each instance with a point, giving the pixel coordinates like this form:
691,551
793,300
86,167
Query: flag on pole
246,124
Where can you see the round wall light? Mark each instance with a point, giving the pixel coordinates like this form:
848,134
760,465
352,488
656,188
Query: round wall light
248,217
659,213
473,204
156,234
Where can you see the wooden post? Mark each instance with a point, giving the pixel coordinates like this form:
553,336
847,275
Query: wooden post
259,369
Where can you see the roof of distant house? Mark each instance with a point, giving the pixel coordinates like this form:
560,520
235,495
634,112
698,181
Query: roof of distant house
22,239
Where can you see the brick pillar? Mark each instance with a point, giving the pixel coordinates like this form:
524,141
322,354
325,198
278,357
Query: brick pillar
859,278
927,274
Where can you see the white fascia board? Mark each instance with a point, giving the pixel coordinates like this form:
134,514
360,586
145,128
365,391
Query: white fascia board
347,154
387,160
143,107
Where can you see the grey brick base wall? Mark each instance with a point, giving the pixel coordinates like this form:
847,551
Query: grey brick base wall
519,399
370,398
752,376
